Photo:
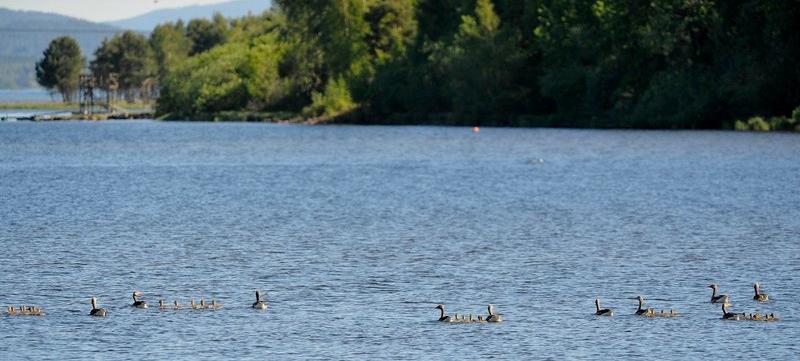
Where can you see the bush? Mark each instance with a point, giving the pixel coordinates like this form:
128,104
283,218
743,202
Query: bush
210,82
334,100
740,125
758,124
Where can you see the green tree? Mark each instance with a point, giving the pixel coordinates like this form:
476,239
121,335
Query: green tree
129,56
206,34
329,45
481,83
60,67
392,29
170,46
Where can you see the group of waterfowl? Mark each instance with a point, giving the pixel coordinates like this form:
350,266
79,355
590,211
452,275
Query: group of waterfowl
640,311
715,298
139,303
725,301
491,317
24,310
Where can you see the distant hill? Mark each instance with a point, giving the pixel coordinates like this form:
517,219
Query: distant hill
25,34
148,21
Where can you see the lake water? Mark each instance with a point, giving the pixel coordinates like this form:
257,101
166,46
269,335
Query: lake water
356,233
27,95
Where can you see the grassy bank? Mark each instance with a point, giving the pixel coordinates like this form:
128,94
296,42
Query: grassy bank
40,106
73,106
237,116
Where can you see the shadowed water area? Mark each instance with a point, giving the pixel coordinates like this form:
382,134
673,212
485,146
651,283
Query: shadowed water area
356,233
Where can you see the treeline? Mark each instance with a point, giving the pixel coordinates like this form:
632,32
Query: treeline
654,64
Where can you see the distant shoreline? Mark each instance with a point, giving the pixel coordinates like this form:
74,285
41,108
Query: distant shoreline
355,118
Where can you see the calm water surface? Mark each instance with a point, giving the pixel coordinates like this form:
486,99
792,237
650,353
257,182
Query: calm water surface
27,95
356,233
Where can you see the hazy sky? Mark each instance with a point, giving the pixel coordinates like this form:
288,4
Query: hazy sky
100,10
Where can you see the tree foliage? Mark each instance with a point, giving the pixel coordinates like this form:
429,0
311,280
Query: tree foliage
60,67
602,63
130,57
170,45
206,34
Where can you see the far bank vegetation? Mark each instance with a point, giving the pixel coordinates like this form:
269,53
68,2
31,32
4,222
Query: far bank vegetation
665,64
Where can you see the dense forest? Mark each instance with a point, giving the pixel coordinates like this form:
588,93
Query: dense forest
582,63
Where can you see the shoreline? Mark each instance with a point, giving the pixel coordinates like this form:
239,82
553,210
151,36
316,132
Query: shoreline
141,111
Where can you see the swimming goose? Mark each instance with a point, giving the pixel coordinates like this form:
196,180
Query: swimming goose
161,305
202,304
480,319
35,311
760,297
604,311
717,298
259,304
100,312
11,311
136,303
442,316
492,316
641,311
177,305
729,315
214,305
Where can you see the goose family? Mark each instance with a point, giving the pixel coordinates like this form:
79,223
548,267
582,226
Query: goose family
99,312
25,310
602,311
651,312
491,317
